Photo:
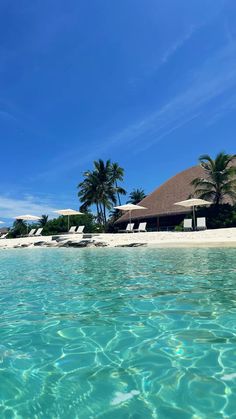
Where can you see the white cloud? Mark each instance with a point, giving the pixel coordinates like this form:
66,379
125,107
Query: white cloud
10,207
178,44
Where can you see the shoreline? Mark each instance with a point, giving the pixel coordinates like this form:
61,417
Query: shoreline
198,239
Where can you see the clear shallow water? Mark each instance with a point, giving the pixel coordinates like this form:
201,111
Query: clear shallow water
118,333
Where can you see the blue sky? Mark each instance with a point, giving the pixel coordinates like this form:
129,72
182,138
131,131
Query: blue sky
149,84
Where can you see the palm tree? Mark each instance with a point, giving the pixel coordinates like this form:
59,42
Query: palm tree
136,196
88,193
105,186
117,174
43,220
100,188
19,228
219,181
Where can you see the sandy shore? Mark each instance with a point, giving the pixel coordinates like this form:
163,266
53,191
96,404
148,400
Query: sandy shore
208,238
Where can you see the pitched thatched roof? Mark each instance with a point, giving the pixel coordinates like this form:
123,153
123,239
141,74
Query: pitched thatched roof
161,201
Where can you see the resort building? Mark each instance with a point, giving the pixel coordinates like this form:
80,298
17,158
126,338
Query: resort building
161,213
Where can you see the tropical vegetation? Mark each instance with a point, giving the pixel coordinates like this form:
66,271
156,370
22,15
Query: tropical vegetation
43,220
219,180
55,226
18,229
100,188
136,196
219,216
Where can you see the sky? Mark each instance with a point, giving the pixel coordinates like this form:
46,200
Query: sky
150,84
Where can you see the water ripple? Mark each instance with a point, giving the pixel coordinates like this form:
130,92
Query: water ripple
118,332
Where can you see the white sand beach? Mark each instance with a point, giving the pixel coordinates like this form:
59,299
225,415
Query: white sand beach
208,238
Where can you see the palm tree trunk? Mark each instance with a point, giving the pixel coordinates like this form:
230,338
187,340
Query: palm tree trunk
118,195
104,215
97,207
100,214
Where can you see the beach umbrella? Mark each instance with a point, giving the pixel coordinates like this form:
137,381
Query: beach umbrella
28,217
130,208
192,203
68,212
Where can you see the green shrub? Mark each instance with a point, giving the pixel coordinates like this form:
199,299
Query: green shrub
60,224
220,216
179,227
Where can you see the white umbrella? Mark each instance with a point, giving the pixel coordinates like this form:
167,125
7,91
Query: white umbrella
28,217
130,208
1,222
68,212
193,202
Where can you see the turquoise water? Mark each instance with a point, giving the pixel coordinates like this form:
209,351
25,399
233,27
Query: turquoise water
118,333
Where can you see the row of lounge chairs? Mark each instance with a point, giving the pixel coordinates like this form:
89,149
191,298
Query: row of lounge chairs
188,226
76,230
201,224
130,228
35,232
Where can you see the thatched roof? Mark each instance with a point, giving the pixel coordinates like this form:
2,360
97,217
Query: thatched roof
161,201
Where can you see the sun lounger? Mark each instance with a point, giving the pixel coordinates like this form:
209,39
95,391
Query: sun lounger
141,227
129,229
201,223
188,224
72,230
3,236
38,232
31,233
80,230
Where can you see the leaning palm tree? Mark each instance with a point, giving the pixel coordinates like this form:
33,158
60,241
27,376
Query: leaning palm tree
219,180
136,196
88,193
117,174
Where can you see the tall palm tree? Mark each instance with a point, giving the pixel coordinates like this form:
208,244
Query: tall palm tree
88,193
105,188
219,179
136,196
99,188
117,174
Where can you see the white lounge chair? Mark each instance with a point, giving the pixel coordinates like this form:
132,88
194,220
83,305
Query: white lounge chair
31,233
201,223
38,232
129,228
188,224
141,227
72,230
80,230
3,236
